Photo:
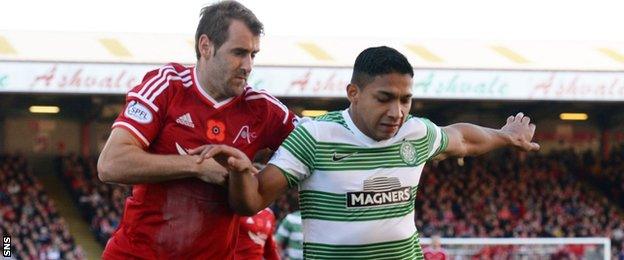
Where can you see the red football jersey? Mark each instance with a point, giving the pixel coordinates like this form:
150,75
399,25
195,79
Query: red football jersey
255,238
434,254
169,112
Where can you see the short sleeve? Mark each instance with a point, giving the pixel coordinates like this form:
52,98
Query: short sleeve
437,139
146,105
284,121
296,156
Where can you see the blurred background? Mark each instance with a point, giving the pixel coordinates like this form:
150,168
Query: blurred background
66,65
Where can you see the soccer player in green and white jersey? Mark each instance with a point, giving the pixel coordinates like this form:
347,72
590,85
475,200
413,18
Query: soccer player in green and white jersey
358,169
289,236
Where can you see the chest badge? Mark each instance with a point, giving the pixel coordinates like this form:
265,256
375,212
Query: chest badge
244,134
186,120
215,130
408,153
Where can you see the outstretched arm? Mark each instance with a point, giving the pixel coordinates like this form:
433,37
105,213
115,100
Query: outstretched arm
470,140
249,191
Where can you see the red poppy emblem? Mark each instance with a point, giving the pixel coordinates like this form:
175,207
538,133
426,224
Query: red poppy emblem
215,130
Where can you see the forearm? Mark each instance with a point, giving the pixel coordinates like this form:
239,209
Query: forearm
476,140
244,196
131,165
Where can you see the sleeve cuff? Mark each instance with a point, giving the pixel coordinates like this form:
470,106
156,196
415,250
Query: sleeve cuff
135,132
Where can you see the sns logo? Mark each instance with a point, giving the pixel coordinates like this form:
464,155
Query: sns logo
138,112
6,246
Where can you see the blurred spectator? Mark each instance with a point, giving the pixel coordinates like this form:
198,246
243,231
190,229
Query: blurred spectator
289,236
435,250
28,215
101,204
255,237
509,195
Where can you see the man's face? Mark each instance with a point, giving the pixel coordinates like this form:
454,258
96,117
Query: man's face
229,68
381,106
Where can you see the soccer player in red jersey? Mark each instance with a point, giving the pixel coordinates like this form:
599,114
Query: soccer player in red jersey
435,251
255,239
179,206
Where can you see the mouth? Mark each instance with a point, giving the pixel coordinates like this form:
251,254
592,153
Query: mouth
390,127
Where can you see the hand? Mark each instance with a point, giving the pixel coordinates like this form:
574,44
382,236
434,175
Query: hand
209,174
521,131
229,157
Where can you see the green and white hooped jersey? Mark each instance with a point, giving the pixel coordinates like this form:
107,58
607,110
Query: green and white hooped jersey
290,232
357,194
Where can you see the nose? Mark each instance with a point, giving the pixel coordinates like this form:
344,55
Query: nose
246,64
395,111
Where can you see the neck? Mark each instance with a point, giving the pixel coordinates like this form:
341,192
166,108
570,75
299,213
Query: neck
202,78
358,123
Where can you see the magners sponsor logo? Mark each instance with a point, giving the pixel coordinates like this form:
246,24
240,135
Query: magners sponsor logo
379,191
365,199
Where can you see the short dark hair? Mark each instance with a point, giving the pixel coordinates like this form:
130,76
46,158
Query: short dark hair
216,19
377,61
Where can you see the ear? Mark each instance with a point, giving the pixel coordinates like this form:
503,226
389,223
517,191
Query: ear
353,92
206,47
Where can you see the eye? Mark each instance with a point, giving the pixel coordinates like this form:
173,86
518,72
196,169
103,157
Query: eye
406,100
383,99
240,52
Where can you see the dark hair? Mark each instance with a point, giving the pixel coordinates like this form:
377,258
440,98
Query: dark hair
377,61
216,19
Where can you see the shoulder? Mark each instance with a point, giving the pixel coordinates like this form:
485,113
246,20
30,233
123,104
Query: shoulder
332,119
268,212
414,128
263,102
161,82
333,116
263,98
417,122
169,72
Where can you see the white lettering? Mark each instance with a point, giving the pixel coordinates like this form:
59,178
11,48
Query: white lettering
377,198
357,199
138,112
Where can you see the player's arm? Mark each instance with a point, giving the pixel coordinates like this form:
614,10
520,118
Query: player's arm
249,191
470,140
249,194
124,160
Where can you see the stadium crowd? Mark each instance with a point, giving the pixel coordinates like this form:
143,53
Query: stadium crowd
516,195
101,204
29,216
508,194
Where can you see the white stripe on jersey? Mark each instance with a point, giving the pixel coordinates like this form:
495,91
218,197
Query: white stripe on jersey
350,233
168,74
161,72
162,81
272,100
134,130
166,84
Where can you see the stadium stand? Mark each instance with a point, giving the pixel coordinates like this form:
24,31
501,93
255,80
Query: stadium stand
101,204
534,195
29,215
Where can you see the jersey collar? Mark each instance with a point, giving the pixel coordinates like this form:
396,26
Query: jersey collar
361,136
209,99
